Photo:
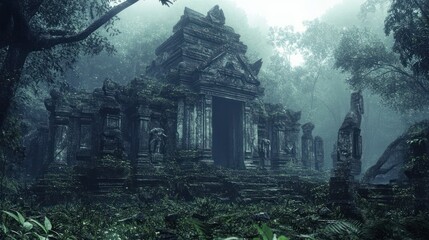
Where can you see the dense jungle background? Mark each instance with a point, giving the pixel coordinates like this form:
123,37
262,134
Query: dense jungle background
378,46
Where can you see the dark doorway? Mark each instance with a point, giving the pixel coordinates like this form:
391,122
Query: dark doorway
228,133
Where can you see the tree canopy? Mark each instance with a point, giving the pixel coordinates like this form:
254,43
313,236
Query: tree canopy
32,30
395,68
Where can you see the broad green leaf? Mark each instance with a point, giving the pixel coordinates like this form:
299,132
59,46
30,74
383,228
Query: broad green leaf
268,232
282,238
48,225
39,224
21,218
261,233
27,226
14,216
40,237
4,228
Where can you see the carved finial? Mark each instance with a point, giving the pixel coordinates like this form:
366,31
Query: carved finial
216,15
109,87
256,67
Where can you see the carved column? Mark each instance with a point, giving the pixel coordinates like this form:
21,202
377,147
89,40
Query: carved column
206,155
59,129
307,157
111,142
59,126
180,124
143,118
319,153
249,137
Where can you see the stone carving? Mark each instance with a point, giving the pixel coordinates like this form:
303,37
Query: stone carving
256,67
290,145
110,87
216,15
157,140
264,149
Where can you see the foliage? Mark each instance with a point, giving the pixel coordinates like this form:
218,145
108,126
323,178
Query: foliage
113,166
28,228
408,22
373,66
266,233
341,228
399,74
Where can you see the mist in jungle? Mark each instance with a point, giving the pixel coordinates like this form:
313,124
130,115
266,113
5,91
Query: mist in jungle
298,66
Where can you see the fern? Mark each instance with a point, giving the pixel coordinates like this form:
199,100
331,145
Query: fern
202,228
340,227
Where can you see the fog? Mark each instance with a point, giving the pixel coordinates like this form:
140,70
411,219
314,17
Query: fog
147,24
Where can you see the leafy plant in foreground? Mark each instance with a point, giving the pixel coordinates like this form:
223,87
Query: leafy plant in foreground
266,233
26,229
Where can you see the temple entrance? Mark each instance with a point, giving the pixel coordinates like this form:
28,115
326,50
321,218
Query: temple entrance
228,133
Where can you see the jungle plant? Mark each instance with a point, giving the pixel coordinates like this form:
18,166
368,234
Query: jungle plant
266,233
26,228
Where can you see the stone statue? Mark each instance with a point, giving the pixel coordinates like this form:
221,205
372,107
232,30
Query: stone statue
156,140
264,150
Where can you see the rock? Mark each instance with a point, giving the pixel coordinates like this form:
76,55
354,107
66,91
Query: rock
261,217
171,220
166,235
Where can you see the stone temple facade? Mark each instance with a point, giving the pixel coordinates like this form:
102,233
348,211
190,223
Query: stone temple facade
208,109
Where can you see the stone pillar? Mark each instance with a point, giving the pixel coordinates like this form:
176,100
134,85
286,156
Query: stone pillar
250,135
143,118
180,124
349,152
307,146
110,111
319,153
59,129
85,143
206,153
60,133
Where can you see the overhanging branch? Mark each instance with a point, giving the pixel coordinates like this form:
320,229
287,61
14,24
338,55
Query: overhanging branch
49,42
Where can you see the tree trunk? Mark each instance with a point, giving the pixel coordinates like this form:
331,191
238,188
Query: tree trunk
10,74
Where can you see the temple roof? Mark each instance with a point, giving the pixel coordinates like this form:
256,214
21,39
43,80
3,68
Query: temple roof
203,49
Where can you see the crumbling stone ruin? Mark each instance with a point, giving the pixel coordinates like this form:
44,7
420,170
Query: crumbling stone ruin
348,159
199,101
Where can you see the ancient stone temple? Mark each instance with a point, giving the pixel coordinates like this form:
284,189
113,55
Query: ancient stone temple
207,108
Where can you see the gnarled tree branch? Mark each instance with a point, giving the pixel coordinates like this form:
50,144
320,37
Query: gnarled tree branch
51,41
